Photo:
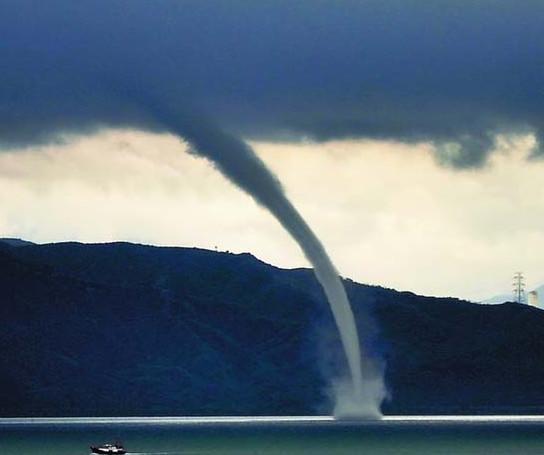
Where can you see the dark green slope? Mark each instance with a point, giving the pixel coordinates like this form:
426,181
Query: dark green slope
123,329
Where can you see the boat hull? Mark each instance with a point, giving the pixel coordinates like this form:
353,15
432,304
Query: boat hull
101,451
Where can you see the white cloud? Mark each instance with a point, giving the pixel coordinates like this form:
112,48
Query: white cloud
385,211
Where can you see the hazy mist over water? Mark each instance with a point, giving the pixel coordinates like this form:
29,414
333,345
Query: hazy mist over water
517,435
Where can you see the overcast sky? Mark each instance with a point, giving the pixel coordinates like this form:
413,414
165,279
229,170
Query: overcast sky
408,134
387,213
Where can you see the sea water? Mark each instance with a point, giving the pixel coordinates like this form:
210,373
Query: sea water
491,435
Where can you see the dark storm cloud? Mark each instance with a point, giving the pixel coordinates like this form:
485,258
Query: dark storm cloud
452,72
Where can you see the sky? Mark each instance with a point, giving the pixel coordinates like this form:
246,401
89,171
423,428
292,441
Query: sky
408,134
387,213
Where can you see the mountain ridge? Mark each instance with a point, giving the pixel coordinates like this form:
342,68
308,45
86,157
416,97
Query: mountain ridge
198,332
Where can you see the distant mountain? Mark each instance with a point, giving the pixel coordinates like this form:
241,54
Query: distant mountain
502,298
124,329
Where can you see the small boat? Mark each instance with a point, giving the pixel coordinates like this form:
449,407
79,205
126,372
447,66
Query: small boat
109,449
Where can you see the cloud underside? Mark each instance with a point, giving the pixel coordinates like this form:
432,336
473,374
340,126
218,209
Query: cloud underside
455,74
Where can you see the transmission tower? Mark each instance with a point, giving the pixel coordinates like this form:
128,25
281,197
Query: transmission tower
519,287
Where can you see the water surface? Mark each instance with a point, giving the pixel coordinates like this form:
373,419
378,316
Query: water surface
273,436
